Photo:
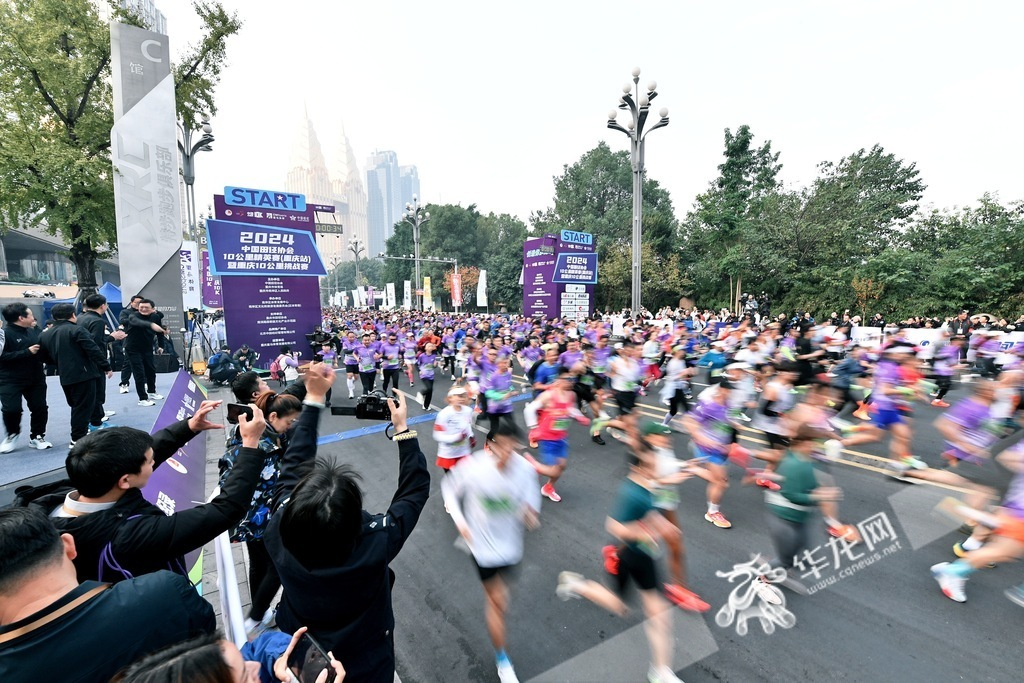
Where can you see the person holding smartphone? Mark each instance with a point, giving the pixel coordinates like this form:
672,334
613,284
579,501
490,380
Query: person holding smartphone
331,555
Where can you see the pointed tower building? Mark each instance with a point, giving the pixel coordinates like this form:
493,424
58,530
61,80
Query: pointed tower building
349,194
308,175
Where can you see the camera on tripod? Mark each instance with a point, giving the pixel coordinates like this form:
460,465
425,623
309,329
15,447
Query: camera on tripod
375,405
197,314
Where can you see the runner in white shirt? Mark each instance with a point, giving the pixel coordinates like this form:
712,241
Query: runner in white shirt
453,430
492,497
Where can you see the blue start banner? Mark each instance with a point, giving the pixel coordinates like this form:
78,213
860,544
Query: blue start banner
265,199
249,249
576,268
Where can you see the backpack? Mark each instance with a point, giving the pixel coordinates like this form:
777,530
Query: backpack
275,368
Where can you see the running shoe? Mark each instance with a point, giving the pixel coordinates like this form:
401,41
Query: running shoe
596,438
39,443
549,492
862,412
766,591
568,585
952,586
105,425
897,470
147,402
122,388
833,449
847,532
156,397
767,484
9,443
742,417
1015,595
686,599
611,559
109,413
662,675
718,519
506,674
939,403
914,462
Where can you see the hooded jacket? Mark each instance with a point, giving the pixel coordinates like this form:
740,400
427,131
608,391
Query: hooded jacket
18,365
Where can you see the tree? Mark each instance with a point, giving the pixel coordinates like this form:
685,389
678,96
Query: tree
725,228
867,291
55,92
664,284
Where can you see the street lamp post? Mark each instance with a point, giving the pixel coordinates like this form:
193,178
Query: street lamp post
639,107
415,217
188,167
332,282
356,247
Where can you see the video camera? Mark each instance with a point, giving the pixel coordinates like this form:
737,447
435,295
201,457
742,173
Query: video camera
375,405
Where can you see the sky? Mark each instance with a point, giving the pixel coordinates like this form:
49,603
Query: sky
491,100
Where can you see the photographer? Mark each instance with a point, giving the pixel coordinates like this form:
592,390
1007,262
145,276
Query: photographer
222,367
245,357
331,555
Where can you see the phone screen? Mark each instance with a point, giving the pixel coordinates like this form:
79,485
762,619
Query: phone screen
308,659
236,409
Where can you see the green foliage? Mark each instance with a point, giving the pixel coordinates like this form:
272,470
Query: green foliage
56,96
663,280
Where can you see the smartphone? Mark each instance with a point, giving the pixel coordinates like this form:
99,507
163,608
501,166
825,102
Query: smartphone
308,659
236,409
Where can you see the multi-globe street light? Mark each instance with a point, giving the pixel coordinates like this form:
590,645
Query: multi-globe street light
415,217
356,247
188,151
639,107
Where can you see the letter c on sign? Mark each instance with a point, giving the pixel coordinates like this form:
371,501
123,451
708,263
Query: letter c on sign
146,44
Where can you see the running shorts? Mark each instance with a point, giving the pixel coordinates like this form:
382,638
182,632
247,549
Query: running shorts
713,458
351,369
885,418
638,566
626,400
583,392
1010,527
553,452
488,573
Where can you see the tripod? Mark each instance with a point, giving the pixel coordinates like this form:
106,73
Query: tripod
196,335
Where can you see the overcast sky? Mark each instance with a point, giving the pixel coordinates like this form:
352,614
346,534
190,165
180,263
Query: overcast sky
490,100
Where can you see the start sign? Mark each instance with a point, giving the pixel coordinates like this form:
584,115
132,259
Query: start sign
264,199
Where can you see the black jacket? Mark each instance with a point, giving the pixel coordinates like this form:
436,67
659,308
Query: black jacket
348,608
18,365
96,325
140,333
142,538
110,628
73,350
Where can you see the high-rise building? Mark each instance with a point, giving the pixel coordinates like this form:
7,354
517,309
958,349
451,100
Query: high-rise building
307,174
384,199
349,196
410,178
152,17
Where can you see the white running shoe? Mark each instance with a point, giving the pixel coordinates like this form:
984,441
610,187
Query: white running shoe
506,674
952,586
9,443
122,388
568,583
662,675
110,413
833,449
39,443
767,592
155,397
147,402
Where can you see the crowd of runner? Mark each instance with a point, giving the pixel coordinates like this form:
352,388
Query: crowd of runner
92,546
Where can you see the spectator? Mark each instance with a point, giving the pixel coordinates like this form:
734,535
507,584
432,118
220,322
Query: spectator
248,385
22,376
54,628
80,364
223,368
93,319
331,555
122,321
119,533
142,331
280,411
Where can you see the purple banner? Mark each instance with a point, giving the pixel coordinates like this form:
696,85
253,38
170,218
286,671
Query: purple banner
253,249
180,483
540,295
270,312
212,296
576,279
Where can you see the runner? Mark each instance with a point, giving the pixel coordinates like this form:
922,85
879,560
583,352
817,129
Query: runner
453,430
639,528
426,363
626,374
498,388
492,497
348,348
391,361
548,417
712,434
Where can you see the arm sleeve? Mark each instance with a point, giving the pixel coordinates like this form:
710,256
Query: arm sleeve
92,350
201,619
167,441
411,496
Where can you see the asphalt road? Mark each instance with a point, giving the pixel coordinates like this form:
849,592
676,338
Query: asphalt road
882,618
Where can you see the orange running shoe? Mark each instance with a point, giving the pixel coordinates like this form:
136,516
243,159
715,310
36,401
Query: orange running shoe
611,559
684,598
